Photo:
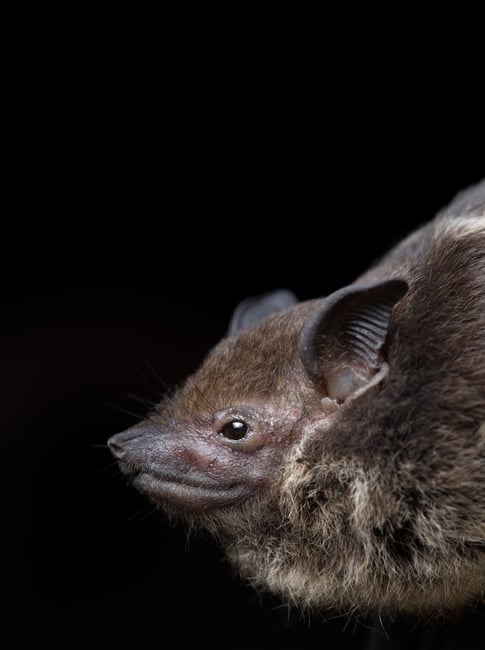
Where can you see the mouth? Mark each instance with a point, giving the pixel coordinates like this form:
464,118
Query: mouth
194,497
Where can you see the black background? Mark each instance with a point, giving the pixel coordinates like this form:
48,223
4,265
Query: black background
122,294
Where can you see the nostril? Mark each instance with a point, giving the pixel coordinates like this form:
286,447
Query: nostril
129,441
122,442
116,446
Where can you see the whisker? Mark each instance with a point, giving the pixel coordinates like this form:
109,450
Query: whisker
203,401
164,386
142,400
114,475
122,410
111,467
147,382
142,513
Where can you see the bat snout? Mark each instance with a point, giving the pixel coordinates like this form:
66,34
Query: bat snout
121,443
116,447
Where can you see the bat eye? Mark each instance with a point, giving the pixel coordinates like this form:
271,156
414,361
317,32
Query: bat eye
234,430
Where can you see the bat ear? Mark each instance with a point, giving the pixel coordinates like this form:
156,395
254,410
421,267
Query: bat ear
256,308
341,344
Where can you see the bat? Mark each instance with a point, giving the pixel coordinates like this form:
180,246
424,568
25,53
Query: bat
336,446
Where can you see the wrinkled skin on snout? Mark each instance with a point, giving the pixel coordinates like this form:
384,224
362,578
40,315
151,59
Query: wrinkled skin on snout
219,463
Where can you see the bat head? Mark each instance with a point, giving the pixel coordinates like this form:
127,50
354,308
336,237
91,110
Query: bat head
284,368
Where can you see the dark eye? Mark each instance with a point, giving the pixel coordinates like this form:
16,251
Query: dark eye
234,430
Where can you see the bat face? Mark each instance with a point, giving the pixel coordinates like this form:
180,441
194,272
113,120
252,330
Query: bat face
223,436
219,439
217,462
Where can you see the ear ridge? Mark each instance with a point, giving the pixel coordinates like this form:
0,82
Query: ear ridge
341,343
366,328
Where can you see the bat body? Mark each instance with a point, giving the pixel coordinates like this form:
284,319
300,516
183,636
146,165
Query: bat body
337,446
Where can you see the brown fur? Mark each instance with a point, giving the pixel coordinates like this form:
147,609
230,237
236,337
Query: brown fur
377,503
